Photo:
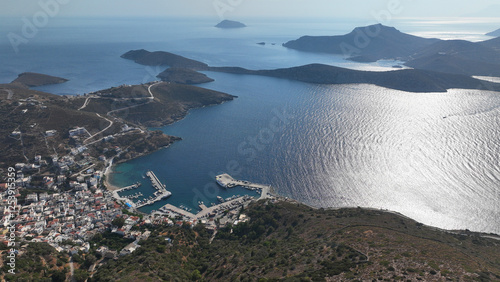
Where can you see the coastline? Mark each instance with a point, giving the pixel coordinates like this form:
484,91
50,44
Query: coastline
111,165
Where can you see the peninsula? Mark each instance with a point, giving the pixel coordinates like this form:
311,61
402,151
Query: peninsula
31,79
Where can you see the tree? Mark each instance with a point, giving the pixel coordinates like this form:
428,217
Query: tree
195,275
118,221
80,275
59,276
90,260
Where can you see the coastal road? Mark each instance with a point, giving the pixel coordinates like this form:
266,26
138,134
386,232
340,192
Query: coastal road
86,103
149,89
117,134
110,124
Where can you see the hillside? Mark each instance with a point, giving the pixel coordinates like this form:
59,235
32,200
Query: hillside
370,43
171,102
410,80
459,57
492,43
27,116
294,242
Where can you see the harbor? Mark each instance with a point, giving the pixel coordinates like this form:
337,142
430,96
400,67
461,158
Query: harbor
224,180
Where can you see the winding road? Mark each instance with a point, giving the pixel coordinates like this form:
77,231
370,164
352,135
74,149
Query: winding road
110,124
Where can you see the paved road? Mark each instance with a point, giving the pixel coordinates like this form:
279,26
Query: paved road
149,89
86,103
110,124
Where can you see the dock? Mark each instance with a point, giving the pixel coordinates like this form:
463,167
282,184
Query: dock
225,180
134,186
160,194
155,181
174,209
206,211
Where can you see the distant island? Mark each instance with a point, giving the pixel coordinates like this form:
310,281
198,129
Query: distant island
376,42
31,79
411,80
230,24
495,33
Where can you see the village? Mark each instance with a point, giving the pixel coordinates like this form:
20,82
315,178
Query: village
67,209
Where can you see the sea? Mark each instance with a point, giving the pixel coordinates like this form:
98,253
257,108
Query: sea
433,157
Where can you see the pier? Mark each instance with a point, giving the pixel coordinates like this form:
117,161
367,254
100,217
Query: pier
160,194
225,180
155,181
206,211
134,186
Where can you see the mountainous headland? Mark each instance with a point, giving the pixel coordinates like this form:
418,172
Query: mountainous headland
230,24
31,79
376,42
371,43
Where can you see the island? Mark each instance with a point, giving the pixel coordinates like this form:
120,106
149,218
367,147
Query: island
31,79
369,43
495,33
376,42
230,24
183,76
411,80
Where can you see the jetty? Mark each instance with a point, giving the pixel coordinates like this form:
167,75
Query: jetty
134,186
225,180
155,181
160,194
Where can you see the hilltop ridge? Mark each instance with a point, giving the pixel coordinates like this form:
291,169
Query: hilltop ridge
372,43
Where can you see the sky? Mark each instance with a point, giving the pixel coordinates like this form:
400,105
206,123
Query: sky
236,9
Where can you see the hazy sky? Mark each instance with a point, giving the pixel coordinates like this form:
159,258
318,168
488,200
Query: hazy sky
235,9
